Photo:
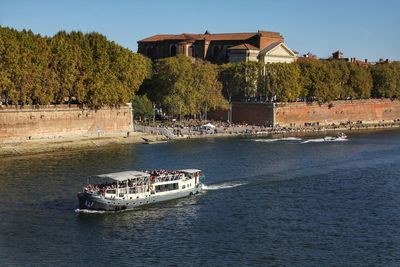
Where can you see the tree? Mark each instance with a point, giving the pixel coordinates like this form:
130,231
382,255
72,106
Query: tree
77,67
240,79
4,79
384,81
207,88
282,81
10,64
172,81
320,81
360,81
340,75
142,107
231,78
184,87
251,71
396,68
65,61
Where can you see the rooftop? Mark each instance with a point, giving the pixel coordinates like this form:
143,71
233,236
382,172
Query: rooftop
243,47
210,37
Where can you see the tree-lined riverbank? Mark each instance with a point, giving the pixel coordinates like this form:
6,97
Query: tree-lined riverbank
88,69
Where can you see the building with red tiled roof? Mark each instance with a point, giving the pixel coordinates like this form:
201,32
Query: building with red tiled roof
217,48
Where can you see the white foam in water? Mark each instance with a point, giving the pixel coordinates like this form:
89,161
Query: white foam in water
221,186
320,140
317,140
278,139
265,140
291,139
89,211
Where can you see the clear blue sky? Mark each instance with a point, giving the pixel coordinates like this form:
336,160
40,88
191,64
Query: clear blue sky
359,28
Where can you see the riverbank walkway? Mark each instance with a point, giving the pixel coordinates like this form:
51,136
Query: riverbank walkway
189,129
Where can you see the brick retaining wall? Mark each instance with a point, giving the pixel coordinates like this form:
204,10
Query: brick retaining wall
245,112
56,121
252,113
301,113
367,111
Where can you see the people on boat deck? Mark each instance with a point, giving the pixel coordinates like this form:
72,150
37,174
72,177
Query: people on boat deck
156,176
160,172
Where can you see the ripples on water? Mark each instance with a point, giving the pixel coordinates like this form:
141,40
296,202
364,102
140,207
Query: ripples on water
265,203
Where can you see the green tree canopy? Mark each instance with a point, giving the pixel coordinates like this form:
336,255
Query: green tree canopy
282,81
142,106
386,80
68,68
185,87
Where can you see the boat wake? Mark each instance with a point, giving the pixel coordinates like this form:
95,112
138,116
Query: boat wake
221,186
303,141
278,139
322,140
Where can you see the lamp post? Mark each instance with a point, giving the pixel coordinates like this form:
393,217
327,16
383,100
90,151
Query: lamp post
154,114
230,113
206,112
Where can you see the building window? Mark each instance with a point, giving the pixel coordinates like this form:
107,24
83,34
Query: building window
216,51
149,51
191,51
173,51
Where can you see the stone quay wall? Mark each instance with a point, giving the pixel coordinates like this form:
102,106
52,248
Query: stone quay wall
62,121
252,113
246,112
301,114
337,112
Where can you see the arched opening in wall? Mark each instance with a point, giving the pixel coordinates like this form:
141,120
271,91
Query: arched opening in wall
216,51
172,51
191,51
150,51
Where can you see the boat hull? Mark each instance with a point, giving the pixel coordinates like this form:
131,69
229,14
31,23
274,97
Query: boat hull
96,202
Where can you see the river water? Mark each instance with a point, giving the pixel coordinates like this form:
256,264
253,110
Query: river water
267,202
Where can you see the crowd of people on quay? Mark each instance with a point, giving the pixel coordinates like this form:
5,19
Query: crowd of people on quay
193,128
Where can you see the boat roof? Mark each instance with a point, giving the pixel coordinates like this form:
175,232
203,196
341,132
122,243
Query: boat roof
190,170
122,176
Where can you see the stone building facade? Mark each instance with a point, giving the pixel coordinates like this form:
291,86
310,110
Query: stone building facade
218,48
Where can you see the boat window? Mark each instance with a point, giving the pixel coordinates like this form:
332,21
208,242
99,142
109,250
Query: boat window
132,191
166,187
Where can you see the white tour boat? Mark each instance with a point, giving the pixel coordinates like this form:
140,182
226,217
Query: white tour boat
130,189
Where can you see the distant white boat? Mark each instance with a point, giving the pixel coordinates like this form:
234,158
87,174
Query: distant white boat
339,137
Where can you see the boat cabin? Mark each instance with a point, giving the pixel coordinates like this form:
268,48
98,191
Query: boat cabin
137,184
